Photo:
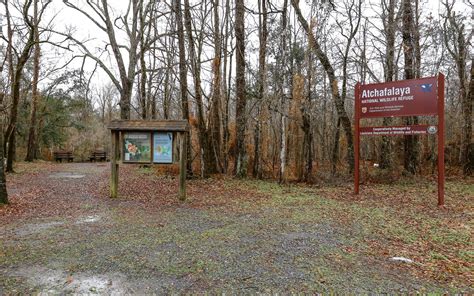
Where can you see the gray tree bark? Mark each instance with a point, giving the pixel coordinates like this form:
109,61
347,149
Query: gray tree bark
183,82
241,101
35,95
411,153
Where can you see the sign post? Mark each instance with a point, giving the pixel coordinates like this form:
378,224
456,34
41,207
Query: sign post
440,139
415,97
357,139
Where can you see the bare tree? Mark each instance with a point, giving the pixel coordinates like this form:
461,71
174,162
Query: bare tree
106,99
16,78
338,97
208,161
101,17
455,42
241,101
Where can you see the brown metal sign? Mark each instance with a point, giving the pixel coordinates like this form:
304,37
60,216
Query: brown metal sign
398,130
400,98
416,97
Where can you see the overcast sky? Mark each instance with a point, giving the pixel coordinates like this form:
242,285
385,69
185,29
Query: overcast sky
65,18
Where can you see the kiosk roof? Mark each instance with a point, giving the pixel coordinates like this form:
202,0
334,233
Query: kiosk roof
149,125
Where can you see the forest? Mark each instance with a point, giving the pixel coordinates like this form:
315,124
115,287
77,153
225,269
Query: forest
263,107
267,86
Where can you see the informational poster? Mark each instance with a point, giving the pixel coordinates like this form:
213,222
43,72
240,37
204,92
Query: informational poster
163,147
399,98
137,147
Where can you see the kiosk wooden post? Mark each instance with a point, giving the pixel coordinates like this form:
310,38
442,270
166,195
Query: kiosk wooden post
148,129
114,164
182,166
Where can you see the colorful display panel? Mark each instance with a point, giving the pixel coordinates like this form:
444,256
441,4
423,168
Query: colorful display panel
163,147
137,147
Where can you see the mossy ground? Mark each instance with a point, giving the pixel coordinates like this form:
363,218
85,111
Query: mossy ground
64,235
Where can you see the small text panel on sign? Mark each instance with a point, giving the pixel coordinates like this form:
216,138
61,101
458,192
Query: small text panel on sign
398,130
399,98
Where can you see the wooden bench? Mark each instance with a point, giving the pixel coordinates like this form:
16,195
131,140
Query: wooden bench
98,156
60,155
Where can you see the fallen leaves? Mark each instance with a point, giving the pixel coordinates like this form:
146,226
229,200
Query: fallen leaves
384,221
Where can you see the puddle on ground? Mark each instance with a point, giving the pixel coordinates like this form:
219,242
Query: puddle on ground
48,281
33,228
66,175
88,219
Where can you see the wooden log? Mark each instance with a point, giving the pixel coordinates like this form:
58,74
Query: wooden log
182,166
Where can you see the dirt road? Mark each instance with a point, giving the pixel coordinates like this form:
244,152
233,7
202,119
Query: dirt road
62,234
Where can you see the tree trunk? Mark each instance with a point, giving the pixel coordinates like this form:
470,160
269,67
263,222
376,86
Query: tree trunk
152,95
307,147
467,145
263,34
410,142
416,40
208,163
307,130
256,151
167,87
15,90
183,82
142,85
226,90
281,94
241,101
3,182
458,48
214,118
464,97
389,30
143,69
335,149
35,96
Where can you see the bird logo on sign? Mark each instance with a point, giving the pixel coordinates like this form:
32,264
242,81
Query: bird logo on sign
432,129
427,87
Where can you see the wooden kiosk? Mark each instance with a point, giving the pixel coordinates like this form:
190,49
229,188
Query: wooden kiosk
148,142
